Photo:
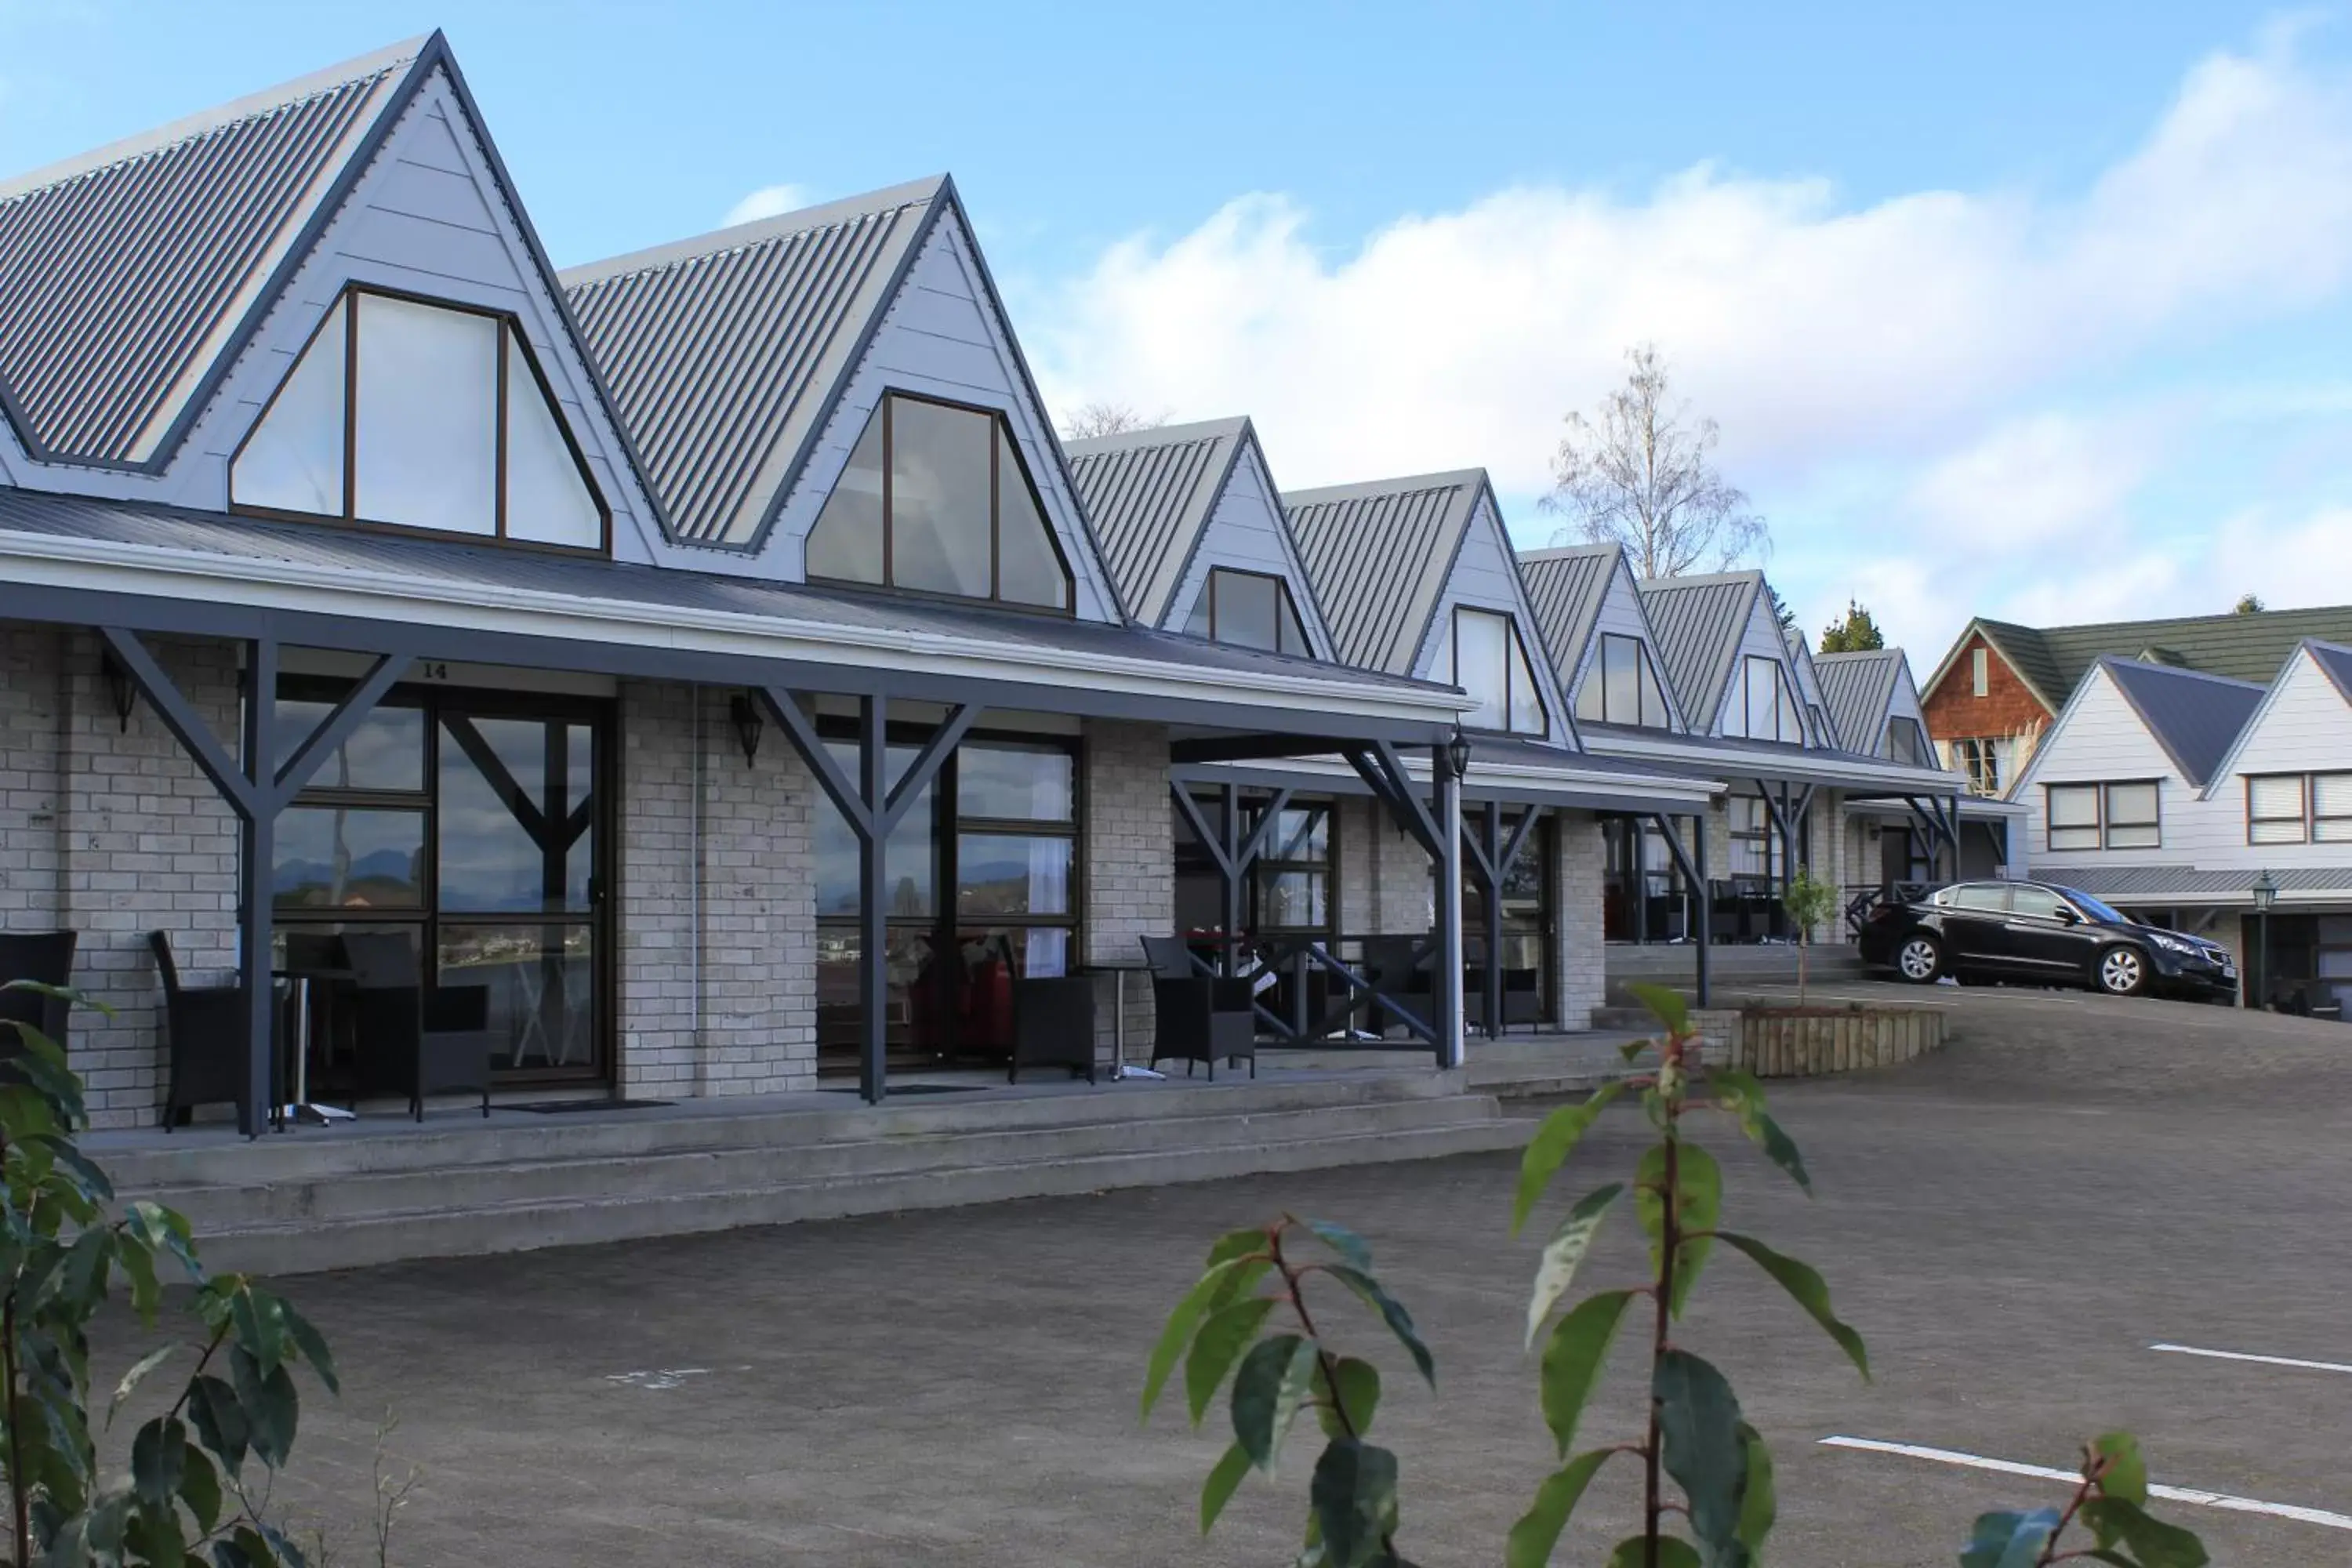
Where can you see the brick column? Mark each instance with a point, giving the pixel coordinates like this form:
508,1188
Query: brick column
1579,860
1129,867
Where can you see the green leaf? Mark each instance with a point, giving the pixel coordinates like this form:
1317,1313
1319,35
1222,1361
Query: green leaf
1273,1382
1359,1396
2126,1475
1672,1553
2009,1540
135,1376
1809,1290
155,1533
1218,1489
271,1406
219,1420
1537,1531
1236,1244
157,1459
1743,1096
200,1488
1759,1503
1217,1347
1633,1048
1354,1497
1665,1005
311,1343
139,1263
1701,1446
2153,1542
1353,1249
78,1166
256,1328
1564,1250
1550,1147
1185,1319
1699,1181
1393,1313
1573,1359
166,1230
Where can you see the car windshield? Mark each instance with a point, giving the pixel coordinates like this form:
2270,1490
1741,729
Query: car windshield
2094,908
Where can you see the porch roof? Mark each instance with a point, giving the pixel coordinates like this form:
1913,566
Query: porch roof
87,562
2232,888
1504,770
1726,758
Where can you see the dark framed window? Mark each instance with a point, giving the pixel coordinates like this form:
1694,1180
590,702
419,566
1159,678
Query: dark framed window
1763,707
1907,743
1248,609
1482,654
935,501
1293,873
417,414
2072,813
1755,847
2122,816
1622,686
1978,756
2133,817
982,880
2297,808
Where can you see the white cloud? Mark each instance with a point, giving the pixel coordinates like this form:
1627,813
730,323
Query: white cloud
768,201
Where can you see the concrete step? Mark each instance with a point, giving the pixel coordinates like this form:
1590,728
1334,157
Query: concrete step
310,1244
218,1206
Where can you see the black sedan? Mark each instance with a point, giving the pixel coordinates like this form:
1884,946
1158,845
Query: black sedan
2040,933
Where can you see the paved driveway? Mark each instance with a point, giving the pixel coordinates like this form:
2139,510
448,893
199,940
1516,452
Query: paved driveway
2011,1225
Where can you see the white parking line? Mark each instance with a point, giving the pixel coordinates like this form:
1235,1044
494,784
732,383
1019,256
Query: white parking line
2044,1472
2265,1360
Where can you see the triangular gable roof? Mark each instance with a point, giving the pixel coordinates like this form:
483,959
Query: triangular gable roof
1568,587
1379,555
132,275
2195,717
2253,647
2334,662
1858,689
1700,622
725,352
1150,495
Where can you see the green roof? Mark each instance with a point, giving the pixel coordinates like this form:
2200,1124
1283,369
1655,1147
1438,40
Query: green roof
2250,647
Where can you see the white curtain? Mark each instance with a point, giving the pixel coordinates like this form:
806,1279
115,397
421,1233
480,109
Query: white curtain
1048,952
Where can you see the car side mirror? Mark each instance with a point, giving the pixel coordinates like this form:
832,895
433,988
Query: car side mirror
2069,915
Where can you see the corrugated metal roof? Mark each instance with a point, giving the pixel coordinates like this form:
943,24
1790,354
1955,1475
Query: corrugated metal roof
725,353
2162,884
2335,661
1149,493
2252,647
1699,622
1567,588
125,273
1858,689
2193,716
1378,555
329,549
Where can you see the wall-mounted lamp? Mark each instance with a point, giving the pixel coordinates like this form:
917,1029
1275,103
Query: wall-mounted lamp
1458,752
118,690
745,715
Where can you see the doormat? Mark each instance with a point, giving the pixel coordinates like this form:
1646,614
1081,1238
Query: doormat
565,1106
896,1090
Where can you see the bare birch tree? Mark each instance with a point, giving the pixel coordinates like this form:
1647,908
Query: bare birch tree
1638,474
1103,418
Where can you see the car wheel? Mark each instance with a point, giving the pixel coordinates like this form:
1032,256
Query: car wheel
2122,972
1919,960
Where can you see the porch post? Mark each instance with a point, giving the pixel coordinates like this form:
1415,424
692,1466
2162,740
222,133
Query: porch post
255,889
1706,905
873,925
1446,983
1229,830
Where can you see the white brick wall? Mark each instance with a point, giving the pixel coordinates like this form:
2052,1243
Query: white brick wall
1129,863
1581,958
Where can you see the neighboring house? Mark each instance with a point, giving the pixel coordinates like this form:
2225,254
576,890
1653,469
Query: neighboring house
2171,792
2000,684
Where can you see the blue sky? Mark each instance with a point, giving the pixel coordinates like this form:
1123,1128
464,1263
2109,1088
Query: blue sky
2033,310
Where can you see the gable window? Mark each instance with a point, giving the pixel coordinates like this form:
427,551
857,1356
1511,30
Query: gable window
1979,672
2112,817
1762,708
1906,742
1978,756
1621,687
2297,808
1249,609
1485,658
935,501
420,416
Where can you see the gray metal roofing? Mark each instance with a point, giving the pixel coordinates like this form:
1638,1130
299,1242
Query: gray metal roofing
1753,759
1378,555
724,353
2142,884
2252,647
1858,689
1699,622
1148,494
2193,716
125,273
328,547
1567,588
2335,661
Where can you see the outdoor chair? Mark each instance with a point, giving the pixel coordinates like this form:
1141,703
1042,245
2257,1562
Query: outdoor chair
412,1039
205,1045
46,958
1198,1017
1398,972
1052,1025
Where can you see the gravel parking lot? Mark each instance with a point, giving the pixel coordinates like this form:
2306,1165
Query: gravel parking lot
2011,1225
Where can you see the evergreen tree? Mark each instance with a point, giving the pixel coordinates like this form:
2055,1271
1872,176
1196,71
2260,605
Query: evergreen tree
1857,633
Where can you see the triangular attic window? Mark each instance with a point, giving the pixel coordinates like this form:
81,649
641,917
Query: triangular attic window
425,417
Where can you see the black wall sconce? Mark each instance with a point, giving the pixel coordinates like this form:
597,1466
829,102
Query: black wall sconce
1457,751
744,714
118,690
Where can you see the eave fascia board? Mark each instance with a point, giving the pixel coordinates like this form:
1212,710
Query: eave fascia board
1798,764
1652,791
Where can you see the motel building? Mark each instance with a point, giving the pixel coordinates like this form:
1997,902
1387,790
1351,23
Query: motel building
438,684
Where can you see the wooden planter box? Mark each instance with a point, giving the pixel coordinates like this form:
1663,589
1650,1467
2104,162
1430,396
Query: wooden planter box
1805,1042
